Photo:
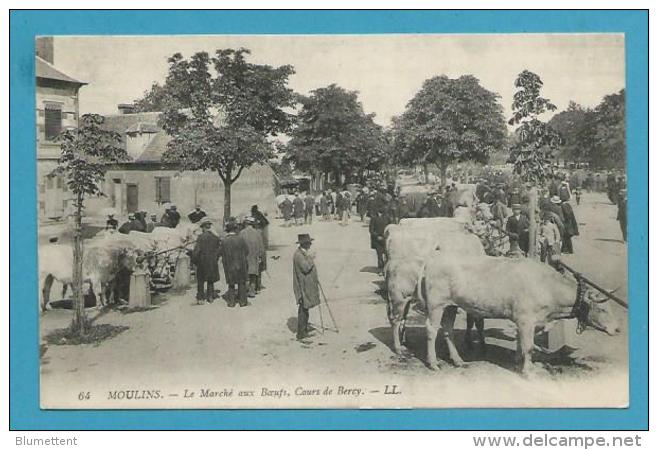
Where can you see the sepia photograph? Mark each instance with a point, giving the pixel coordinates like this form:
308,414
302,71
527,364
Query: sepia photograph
320,221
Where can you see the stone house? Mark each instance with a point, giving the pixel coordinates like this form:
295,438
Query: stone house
146,183
57,109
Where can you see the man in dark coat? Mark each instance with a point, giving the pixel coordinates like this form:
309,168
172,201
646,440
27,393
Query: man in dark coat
378,224
517,228
196,215
304,283
361,204
262,224
309,207
131,225
286,210
255,257
205,257
298,209
171,217
234,252
621,212
570,227
340,206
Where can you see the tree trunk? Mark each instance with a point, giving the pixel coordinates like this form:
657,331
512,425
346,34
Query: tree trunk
227,199
532,229
79,324
426,173
443,169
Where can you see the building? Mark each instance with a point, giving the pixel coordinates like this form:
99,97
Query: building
146,183
56,109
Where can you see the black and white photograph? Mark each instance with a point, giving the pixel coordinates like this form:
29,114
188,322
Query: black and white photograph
332,221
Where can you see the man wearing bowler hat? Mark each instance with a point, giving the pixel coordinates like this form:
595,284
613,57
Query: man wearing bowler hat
205,257
305,283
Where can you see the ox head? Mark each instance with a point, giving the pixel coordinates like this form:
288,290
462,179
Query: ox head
600,314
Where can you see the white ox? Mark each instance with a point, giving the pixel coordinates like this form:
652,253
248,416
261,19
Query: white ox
403,273
527,292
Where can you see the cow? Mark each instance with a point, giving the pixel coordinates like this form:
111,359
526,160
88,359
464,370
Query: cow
100,264
524,291
402,276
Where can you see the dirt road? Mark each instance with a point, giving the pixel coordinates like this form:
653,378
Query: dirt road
211,356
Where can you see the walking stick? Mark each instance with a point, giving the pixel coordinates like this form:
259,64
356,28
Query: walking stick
328,308
321,320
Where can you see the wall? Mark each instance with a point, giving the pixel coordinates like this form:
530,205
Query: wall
52,198
255,186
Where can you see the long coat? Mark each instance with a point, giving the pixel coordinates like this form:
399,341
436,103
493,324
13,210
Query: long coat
298,208
286,209
570,222
234,257
305,280
206,255
378,224
254,241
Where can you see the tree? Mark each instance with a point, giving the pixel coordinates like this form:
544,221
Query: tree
219,119
85,153
610,136
573,125
533,151
451,120
153,100
334,135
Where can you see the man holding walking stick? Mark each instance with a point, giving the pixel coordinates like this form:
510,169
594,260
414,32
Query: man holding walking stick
305,283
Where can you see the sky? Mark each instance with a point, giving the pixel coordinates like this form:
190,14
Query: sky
386,70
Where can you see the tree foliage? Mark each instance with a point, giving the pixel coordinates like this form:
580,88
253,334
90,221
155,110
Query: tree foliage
450,120
532,154
334,135
153,100
597,135
220,110
85,153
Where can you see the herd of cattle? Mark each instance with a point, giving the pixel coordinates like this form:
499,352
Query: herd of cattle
442,266
437,263
108,255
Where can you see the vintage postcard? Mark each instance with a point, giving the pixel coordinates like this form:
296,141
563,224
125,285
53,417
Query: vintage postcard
332,221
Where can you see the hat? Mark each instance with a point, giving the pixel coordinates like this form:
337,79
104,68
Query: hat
205,221
167,206
110,214
516,206
304,239
249,219
556,199
131,215
172,206
154,215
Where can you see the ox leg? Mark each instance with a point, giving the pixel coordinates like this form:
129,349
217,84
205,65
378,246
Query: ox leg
397,317
448,325
525,345
432,329
470,321
479,324
65,286
45,291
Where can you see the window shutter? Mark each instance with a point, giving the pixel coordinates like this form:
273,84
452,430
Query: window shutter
53,120
158,197
165,186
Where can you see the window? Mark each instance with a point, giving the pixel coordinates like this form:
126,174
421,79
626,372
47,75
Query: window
53,120
162,189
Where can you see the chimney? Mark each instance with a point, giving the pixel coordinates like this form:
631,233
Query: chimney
126,108
46,49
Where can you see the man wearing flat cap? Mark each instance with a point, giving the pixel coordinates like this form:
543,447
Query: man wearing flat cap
304,282
205,257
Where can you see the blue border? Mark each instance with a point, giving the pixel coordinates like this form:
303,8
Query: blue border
24,371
